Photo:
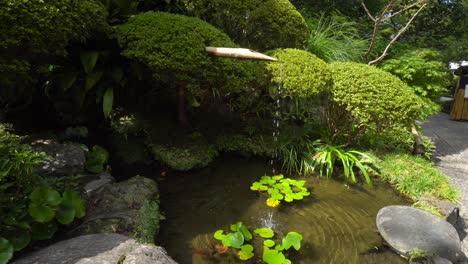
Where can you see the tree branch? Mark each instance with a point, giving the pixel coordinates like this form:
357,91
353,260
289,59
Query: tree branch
403,10
397,36
367,11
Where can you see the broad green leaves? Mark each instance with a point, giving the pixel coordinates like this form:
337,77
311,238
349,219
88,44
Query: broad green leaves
264,232
96,159
89,59
107,102
292,239
6,251
246,252
280,188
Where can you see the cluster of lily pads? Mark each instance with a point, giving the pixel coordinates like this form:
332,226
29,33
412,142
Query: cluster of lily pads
280,188
272,251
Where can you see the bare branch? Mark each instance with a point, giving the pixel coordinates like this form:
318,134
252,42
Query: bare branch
404,9
367,11
397,36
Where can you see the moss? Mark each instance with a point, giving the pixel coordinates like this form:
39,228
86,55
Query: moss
147,222
416,177
185,156
366,101
246,145
428,207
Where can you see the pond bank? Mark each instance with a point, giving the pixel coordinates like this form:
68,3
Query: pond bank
451,157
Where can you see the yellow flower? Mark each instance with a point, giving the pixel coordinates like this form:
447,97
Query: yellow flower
272,203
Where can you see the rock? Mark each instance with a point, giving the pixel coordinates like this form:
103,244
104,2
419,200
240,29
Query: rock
407,229
449,210
431,260
115,209
92,184
99,249
66,159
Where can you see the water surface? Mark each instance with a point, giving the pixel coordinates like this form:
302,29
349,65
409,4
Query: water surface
337,222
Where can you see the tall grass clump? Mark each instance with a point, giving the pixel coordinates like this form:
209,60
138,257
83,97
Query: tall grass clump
336,39
415,177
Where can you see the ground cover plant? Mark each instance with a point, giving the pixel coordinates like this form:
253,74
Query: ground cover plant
274,250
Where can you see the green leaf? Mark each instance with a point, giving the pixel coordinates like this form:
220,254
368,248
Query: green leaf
292,239
65,213
219,235
108,101
89,59
67,79
278,177
6,250
272,256
92,78
246,252
74,199
41,213
235,240
279,247
43,231
45,195
264,232
269,243
17,237
245,232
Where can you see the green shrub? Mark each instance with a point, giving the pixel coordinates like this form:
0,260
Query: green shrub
246,145
173,48
425,73
29,208
416,177
259,25
366,101
96,159
35,33
303,80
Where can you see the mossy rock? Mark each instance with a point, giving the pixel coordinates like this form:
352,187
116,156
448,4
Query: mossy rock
185,157
256,145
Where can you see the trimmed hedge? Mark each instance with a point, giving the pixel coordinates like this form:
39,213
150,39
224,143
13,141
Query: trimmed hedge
260,25
366,101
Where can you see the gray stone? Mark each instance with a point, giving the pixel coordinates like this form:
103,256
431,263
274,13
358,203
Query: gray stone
115,208
92,184
449,210
431,260
407,229
99,249
66,159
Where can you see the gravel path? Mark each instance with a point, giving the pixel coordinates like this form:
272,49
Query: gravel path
451,157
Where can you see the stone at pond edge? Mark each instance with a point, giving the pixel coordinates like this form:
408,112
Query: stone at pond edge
407,229
66,159
116,207
98,249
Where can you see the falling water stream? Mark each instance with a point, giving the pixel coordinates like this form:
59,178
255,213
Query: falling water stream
276,120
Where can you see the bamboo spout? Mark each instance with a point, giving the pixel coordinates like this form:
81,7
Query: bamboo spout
239,53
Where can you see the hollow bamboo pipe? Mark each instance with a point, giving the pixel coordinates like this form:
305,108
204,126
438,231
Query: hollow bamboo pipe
239,53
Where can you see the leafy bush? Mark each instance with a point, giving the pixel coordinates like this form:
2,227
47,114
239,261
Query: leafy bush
425,73
37,32
96,159
366,101
303,77
416,177
173,48
29,208
259,25
336,38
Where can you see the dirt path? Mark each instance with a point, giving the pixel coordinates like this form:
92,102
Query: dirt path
451,157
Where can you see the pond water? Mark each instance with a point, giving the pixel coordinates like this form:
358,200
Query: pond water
337,222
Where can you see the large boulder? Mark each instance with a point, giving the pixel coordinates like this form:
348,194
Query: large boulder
99,249
65,159
116,208
407,229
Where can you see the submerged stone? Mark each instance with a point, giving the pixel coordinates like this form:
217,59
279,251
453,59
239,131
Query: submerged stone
408,229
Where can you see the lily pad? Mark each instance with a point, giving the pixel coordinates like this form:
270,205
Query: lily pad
246,252
219,235
264,232
278,177
292,239
269,243
272,256
235,240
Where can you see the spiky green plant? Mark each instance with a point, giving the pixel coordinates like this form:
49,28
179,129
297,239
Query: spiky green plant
326,158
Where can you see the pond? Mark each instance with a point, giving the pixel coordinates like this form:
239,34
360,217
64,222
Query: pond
337,222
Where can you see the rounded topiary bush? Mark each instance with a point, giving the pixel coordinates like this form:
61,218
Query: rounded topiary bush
260,25
303,74
366,101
